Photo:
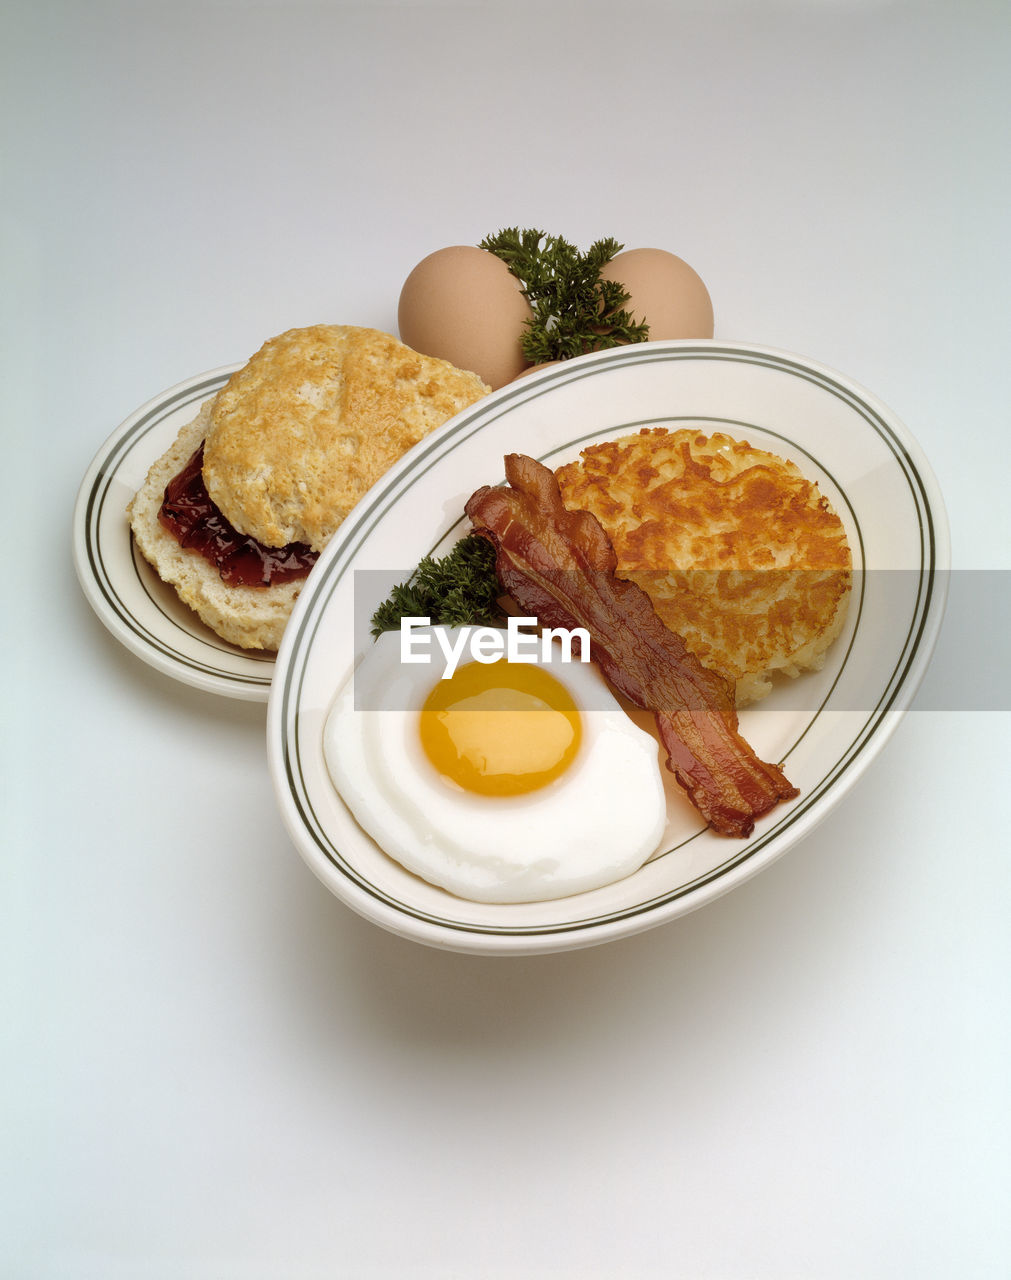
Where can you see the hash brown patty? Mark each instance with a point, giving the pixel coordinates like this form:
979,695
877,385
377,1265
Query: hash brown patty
741,555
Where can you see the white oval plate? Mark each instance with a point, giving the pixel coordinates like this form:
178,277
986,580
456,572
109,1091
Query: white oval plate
826,726
140,610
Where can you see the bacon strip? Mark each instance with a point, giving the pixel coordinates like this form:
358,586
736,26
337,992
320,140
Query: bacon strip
559,566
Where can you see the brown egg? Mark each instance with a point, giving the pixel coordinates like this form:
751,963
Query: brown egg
464,305
534,368
664,291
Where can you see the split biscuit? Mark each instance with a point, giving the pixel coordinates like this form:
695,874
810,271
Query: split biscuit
291,442
251,617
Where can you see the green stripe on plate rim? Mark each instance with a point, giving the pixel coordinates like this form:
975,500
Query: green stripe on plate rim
366,516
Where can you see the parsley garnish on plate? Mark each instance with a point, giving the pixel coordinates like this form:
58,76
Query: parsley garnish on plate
455,590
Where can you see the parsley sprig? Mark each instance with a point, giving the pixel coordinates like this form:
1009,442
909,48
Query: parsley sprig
456,590
574,310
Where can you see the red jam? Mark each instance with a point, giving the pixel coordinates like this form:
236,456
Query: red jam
188,513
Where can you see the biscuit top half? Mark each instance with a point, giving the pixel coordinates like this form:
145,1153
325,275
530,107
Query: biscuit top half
314,419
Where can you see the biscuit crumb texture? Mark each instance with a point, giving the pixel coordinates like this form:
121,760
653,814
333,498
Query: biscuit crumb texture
316,417
250,617
741,555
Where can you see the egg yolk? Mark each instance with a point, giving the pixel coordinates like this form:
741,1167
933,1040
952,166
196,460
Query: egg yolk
500,728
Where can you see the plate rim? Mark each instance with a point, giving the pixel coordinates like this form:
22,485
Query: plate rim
101,588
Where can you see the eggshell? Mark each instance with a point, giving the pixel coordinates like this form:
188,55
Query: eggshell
664,291
535,368
464,305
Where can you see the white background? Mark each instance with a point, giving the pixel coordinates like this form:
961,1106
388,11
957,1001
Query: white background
211,1068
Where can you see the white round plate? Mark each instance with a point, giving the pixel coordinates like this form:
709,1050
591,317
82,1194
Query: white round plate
826,726
140,610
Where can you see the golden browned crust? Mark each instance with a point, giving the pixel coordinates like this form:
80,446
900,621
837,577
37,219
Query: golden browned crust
740,553
301,432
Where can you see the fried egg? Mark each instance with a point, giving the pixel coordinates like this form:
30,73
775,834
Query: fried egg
506,782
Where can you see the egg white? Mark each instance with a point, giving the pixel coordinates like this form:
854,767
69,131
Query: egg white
595,824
